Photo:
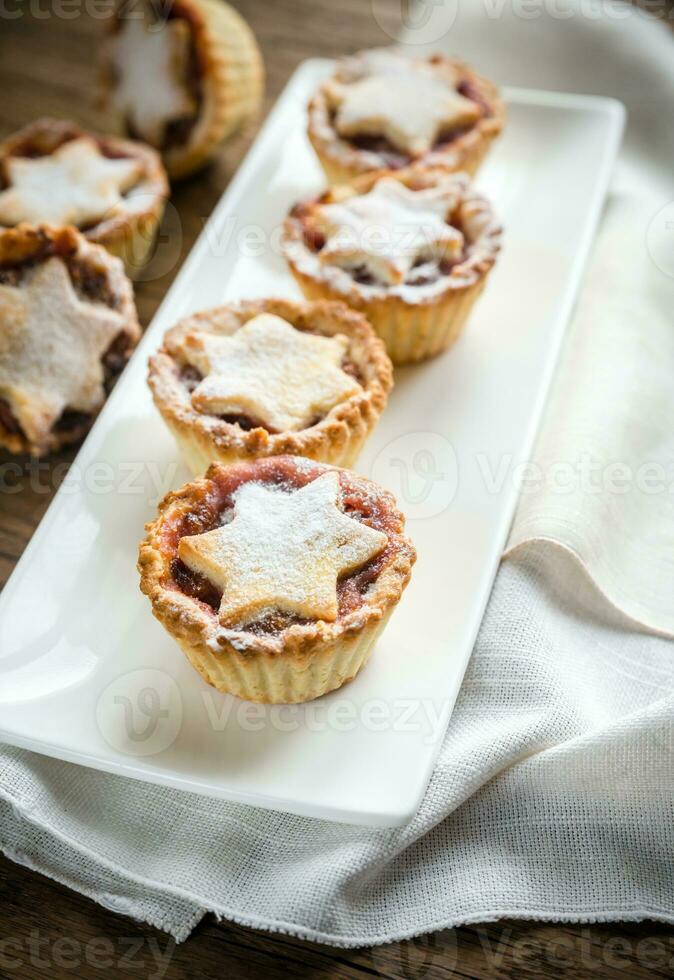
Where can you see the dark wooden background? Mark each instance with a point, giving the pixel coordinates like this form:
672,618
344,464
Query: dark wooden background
47,67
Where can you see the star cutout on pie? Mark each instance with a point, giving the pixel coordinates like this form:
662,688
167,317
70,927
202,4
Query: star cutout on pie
410,108
151,62
74,185
282,551
279,376
50,355
391,228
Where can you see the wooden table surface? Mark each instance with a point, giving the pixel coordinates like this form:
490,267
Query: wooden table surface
47,67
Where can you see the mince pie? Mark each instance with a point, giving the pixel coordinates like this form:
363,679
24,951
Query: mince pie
268,378
113,190
383,109
182,76
276,576
67,327
410,249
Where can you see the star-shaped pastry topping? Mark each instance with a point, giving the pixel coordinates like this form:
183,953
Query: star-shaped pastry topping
75,185
151,61
282,551
51,349
410,107
269,371
391,228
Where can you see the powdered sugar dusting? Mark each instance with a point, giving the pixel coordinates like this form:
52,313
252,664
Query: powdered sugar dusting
472,216
51,350
408,102
75,184
269,371
389,229
151,63
282,551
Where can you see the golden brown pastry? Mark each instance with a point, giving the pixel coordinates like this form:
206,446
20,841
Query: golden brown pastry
268,378
410,249
383,109
67,327
182,77
276,576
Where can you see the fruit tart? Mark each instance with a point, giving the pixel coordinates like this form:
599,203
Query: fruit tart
67,327
269,378
182,76
113,190
383,109
276,576
410,249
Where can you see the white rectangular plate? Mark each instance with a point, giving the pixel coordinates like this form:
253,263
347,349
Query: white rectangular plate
87,674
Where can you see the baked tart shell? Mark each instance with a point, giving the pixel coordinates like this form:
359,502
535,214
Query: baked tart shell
416,329
232,78
231,81
289,678
343,160
31,244
305,661
336,439
129,235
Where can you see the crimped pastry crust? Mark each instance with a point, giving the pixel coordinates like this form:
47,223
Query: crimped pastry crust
337,438
342,160
31,244
129,235
414,322
231,80
303,660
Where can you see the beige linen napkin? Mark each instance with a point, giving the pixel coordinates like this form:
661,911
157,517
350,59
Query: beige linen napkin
601,482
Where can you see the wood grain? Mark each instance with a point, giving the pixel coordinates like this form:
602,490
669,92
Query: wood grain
47,67
47,931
